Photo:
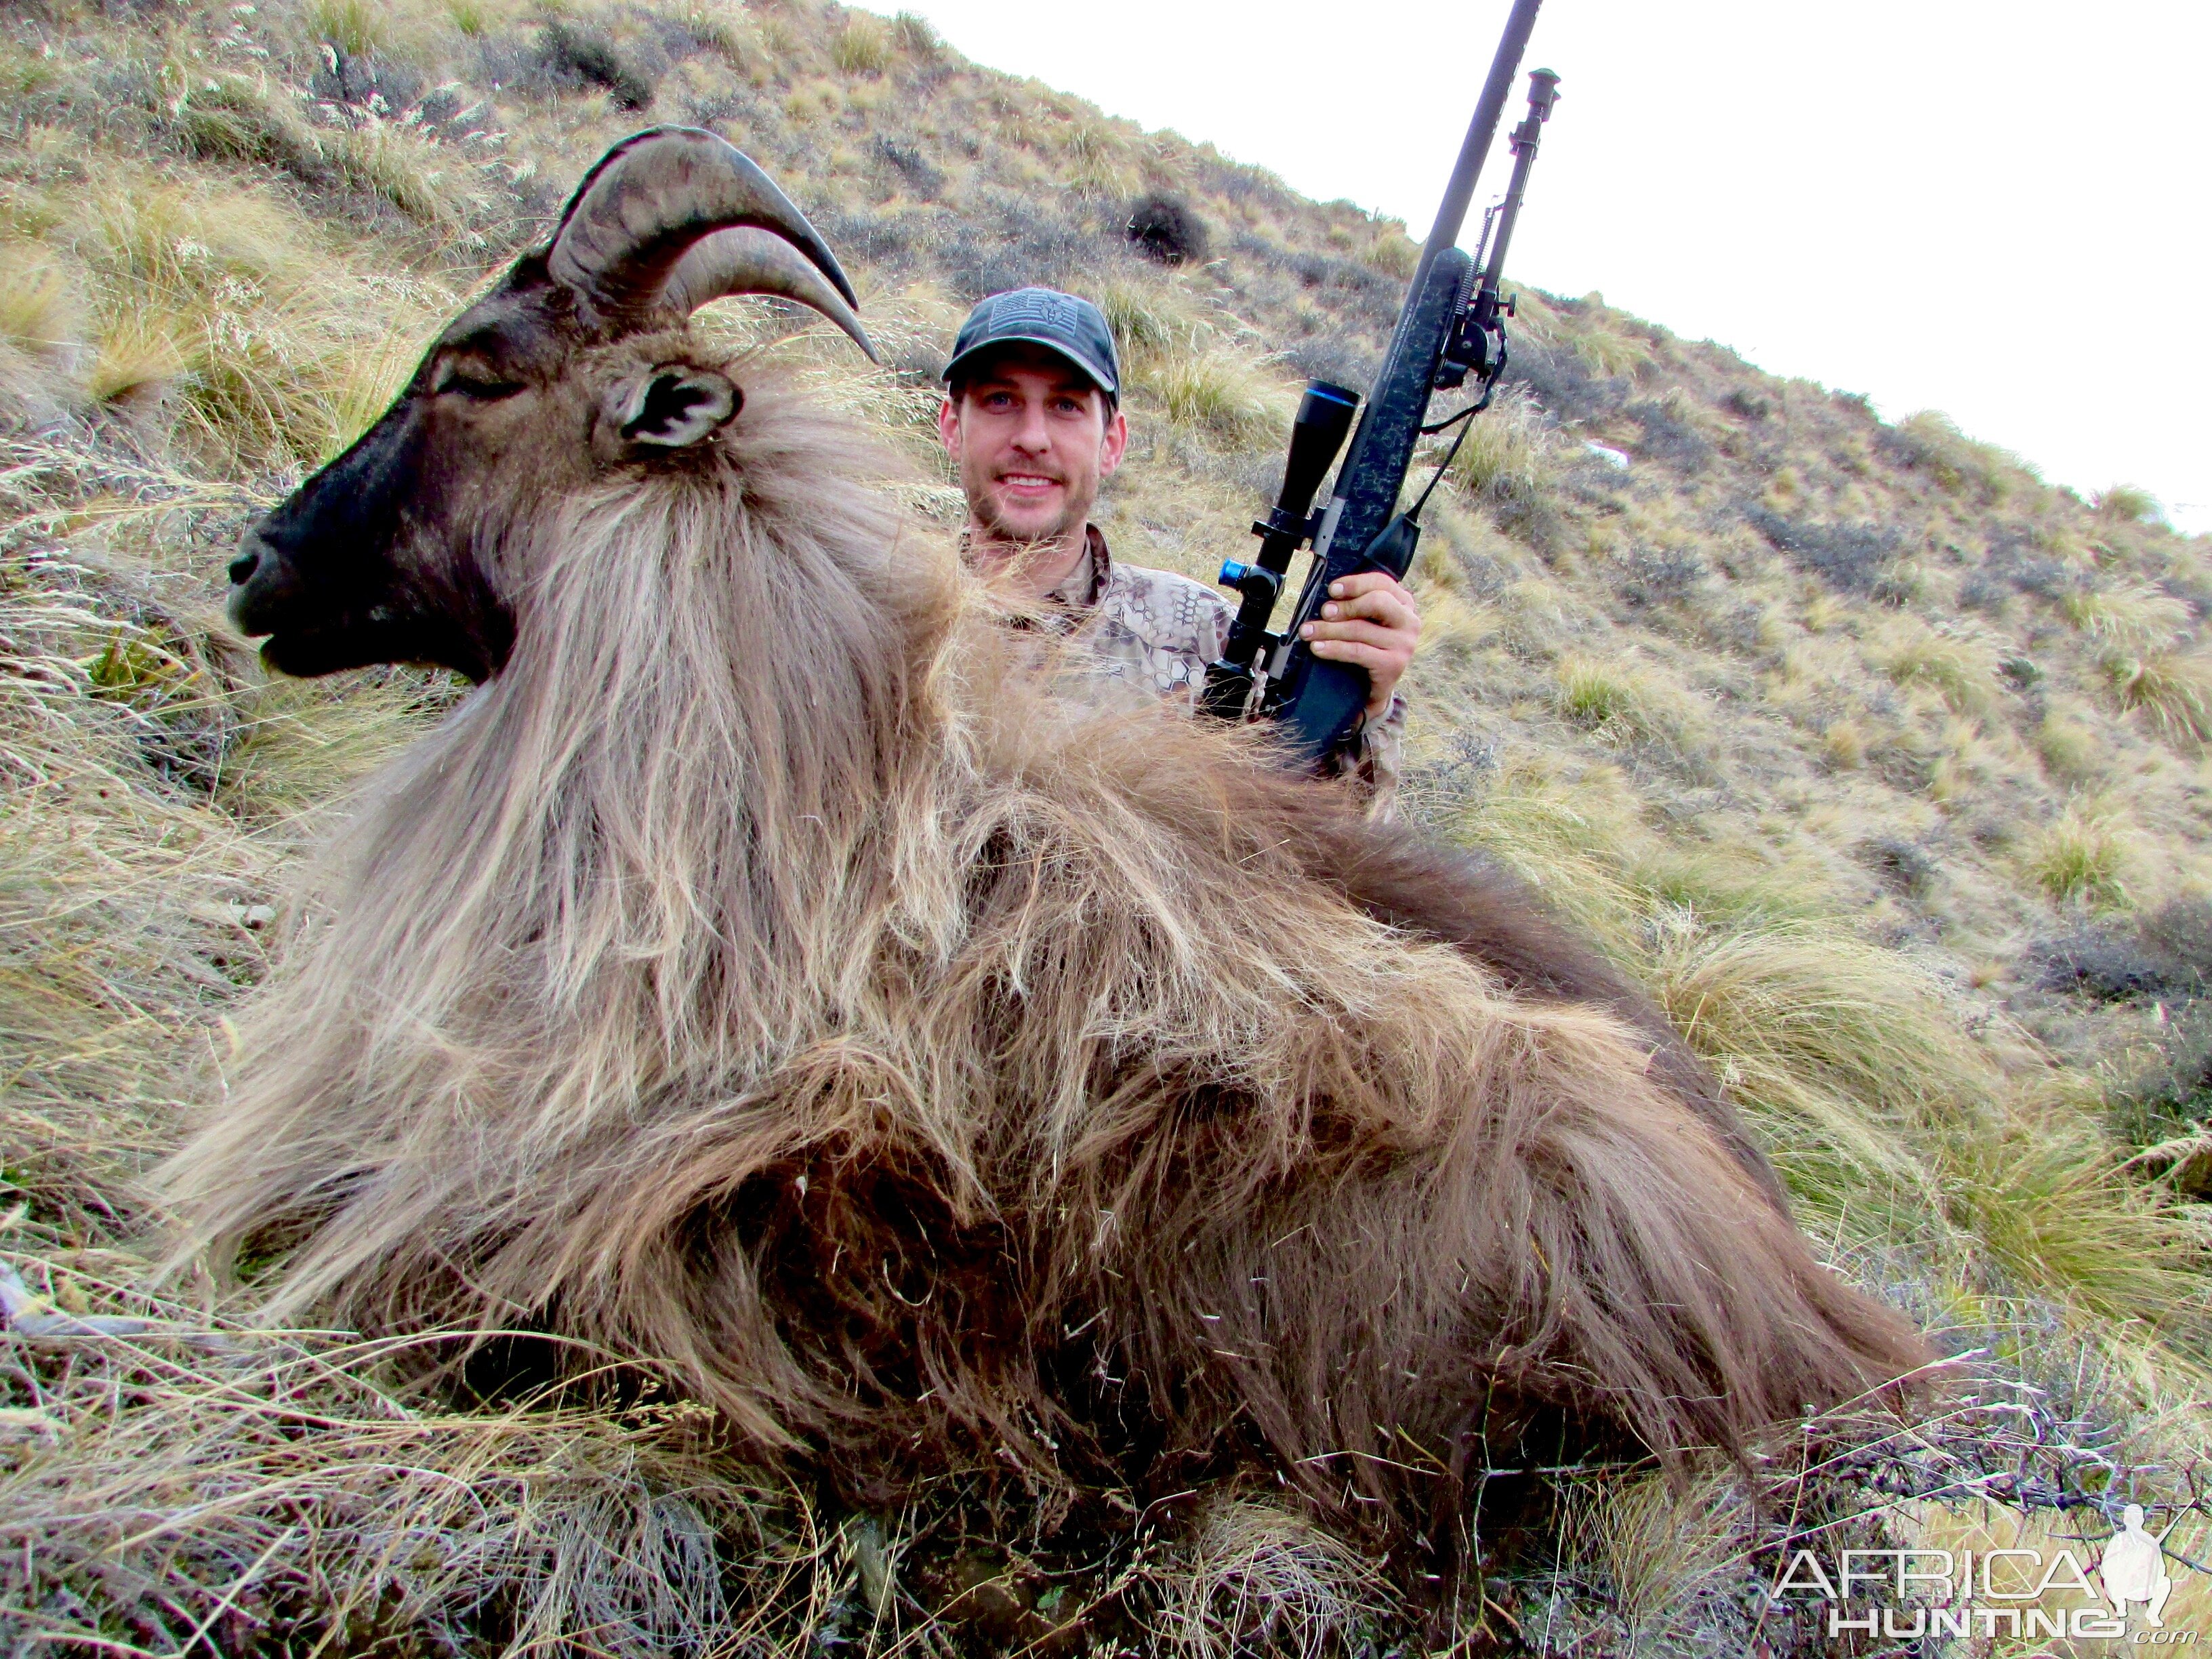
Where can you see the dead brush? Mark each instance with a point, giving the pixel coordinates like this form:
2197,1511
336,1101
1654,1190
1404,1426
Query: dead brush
1255,1577
273,1485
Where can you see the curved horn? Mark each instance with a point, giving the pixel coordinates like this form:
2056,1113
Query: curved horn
746,260
651,199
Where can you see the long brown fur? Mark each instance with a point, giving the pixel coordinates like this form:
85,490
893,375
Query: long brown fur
776,974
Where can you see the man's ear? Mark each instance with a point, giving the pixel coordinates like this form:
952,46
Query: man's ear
670,406
1115,443
948,425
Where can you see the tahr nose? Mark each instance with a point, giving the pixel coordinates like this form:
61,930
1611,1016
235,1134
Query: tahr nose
242,567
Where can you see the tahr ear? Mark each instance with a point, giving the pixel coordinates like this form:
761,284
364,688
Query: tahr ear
671,406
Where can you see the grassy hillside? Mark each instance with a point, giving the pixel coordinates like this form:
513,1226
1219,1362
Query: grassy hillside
1881,760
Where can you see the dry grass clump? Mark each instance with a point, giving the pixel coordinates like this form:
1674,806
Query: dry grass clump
1602,341
2127,504
1625,701
210,314
2172,690
355,27
1668,1556
265,1484
1961,667
1931,443
2082,859
1215,389
2072,751
2045,1201
1843,1051
1258,1578
1508,452
1844,744
2133,615
1184,362
864,47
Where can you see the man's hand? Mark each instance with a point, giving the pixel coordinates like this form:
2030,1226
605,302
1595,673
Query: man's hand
1368,619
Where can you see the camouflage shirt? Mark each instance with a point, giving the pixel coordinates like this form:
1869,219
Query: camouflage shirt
1155,630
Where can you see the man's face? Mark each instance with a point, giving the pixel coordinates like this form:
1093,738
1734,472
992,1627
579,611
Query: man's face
1033,439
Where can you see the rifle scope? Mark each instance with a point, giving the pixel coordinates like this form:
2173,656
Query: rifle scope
1323,421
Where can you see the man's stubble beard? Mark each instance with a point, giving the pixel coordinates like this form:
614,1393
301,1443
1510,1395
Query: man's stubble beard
1020,546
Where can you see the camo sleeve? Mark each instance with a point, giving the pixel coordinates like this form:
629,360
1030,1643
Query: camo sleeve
1376,759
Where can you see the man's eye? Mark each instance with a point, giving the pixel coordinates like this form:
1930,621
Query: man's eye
482,388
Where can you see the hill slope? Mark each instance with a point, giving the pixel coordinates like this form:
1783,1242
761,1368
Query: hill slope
1879,757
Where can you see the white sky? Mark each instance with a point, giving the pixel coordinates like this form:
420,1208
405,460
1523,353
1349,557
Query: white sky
2000,209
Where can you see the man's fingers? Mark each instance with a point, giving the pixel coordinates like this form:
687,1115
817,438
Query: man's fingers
1376,594
1372,658
1381,605
1363,582
1366,633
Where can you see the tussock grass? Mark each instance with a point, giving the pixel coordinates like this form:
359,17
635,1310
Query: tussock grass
1571,834
2082,859
1664,1551
2172,690
2126,504
355,28
1844,744
2071,749
1961,667
1508,451
38,315
1606,347
1258,1578
1451,627
213,301
864,47
277,1478
1842,1051
1216,390
2133,615
1932,442
2043,1200
1629,702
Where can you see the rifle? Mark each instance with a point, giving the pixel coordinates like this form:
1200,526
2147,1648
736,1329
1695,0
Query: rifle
1450,327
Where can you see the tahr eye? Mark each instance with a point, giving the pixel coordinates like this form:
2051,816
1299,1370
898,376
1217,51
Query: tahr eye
481,387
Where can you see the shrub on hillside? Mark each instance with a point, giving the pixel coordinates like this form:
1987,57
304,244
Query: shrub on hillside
1167,228
1669,440
571,55
1853,557
914,169
1559,379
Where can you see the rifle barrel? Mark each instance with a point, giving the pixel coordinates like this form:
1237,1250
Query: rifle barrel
1489,110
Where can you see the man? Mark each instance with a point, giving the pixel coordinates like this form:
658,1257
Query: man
1032,418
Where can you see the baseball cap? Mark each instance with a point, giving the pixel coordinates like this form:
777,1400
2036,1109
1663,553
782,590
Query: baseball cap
1073,327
